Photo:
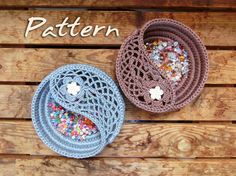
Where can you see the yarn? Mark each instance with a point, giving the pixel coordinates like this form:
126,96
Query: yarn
141,78
97,98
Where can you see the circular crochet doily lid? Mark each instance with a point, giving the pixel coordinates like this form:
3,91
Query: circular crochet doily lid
97,99
148,86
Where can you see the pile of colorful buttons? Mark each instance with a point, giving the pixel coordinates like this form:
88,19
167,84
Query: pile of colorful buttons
71,124
171,57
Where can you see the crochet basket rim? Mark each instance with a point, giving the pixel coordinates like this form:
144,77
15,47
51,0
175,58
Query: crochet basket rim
139,33
44,85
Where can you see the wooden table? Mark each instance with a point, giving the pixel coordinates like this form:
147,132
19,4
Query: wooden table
200,139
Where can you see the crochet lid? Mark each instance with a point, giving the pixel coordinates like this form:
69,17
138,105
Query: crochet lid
77,110
163,66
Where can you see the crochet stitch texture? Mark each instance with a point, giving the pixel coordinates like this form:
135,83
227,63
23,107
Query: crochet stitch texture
137,74
98,99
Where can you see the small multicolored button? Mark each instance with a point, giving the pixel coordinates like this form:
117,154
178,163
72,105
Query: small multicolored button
171,57
71,124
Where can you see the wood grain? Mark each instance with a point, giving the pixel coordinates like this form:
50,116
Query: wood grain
208,25
120,4
156,147
32,65
7,166
15,101
136,140
214,104
116,166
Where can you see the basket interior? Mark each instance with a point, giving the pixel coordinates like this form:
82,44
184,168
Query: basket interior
197,58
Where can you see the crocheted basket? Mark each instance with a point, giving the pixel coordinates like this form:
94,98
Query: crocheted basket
137,74
93,95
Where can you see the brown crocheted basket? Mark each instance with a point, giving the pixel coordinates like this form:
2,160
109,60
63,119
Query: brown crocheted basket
137,74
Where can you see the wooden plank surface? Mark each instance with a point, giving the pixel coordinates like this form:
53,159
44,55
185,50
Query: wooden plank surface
136,140
120,4
7,166
158,144
214,104
208,25
122,166
32,65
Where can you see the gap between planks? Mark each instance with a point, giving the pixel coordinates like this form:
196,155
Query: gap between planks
60,157
91,46
157,120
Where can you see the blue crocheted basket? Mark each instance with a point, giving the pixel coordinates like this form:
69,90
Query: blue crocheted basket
98,99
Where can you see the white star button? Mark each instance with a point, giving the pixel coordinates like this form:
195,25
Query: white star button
156,93
73,88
